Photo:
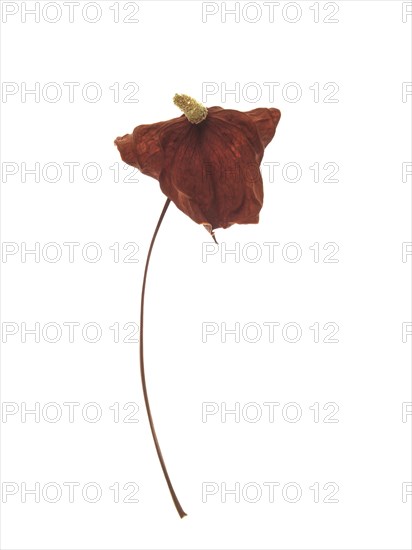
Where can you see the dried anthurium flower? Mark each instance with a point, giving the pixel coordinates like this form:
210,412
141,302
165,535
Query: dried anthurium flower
208,163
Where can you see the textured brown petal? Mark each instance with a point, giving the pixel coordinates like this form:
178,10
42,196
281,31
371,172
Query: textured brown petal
266,121
210,170
141,149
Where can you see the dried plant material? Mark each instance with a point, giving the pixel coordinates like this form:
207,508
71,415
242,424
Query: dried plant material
207,162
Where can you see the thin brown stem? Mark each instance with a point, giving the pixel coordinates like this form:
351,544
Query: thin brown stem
142,372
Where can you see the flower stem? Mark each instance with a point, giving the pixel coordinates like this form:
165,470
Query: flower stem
142,372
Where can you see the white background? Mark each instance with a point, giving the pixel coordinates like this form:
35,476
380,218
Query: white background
366,293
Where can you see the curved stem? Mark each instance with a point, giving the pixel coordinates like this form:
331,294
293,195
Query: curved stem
142,373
